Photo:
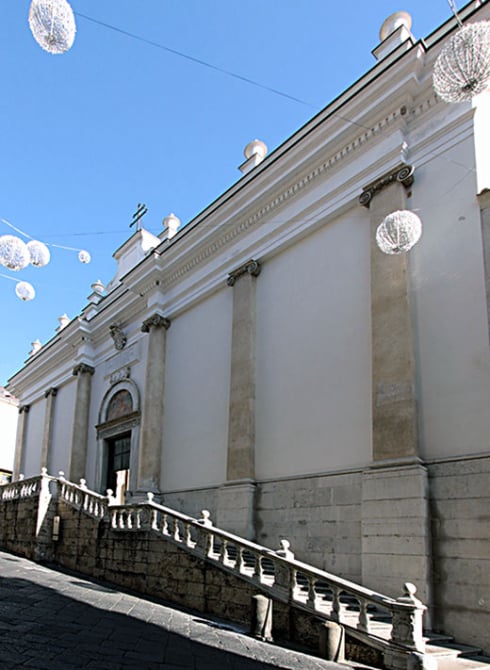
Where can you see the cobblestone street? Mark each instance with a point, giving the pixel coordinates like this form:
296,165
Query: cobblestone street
52,620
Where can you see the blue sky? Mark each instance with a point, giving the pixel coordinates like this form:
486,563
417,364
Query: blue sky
87,135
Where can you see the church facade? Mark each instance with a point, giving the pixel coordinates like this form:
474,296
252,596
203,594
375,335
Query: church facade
270,364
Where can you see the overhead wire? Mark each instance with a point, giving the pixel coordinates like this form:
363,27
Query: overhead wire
226,72
196,60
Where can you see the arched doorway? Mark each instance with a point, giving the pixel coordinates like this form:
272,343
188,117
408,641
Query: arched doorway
118,435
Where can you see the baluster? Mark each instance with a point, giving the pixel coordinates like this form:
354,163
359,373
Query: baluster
176,534
223,553
240,563
363,616
259,568
335,604
311,592
113,519
187,535
154,519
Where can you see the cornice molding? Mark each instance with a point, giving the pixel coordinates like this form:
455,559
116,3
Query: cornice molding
402,173
287,194
155,321
252,268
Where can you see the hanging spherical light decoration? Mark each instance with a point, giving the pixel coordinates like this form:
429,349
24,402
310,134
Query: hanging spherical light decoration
25,291
398,232
84,257
52,24
462,69
39,253
14,253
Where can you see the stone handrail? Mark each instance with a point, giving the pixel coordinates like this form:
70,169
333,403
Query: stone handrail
22,488
275,573
80,497
278,574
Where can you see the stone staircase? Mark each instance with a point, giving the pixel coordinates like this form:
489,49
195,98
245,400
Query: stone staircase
442,649
391,628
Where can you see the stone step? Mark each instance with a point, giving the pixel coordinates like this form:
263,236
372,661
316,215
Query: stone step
463,663
452,649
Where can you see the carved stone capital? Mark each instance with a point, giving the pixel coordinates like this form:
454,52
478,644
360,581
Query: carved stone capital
51,392
83,369
251,267
403,174
155,321
118,336
24,409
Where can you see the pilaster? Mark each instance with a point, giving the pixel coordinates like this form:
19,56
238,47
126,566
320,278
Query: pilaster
237,497
20,441
150,451
484,200
78,458
395,509
50,395
394,412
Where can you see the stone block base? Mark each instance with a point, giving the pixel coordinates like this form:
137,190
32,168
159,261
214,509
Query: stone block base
235,509
395,530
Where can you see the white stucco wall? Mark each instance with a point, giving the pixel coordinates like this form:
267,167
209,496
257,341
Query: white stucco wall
314,353
195,424
8,422
449,306
33,437
107,362
64,409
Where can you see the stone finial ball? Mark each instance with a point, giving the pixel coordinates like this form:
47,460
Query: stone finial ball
393,22
256,147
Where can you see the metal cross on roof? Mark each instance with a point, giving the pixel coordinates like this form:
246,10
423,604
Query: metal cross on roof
138,215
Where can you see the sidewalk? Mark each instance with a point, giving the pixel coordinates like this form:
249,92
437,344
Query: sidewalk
52,620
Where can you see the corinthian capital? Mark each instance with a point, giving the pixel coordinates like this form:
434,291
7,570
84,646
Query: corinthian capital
155,321
51,392
83,369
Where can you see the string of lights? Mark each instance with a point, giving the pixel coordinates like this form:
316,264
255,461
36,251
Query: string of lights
462,70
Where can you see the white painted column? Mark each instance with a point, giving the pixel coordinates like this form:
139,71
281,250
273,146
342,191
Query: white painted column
150,451
50,395
20,442
78,458
236,498
395,495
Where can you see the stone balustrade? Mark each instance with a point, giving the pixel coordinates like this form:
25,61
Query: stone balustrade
80,497
276,574
22,488
279,575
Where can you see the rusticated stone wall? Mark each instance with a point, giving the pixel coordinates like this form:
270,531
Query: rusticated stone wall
18,520
321,516
460,510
